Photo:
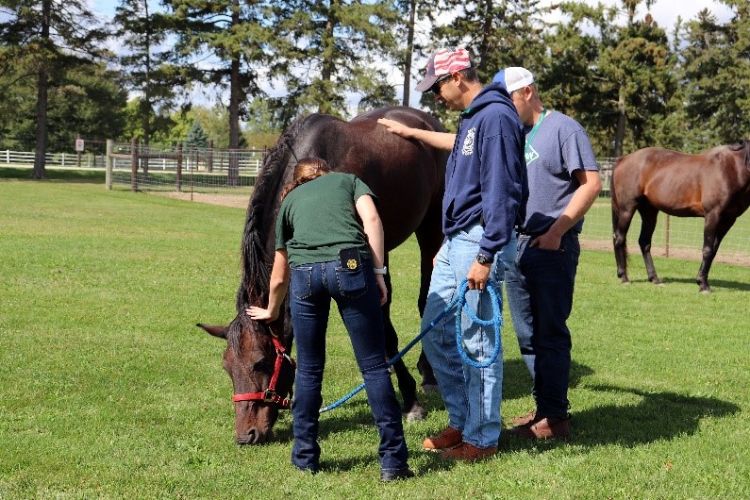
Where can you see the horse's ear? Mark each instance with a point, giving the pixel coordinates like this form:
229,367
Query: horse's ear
215,330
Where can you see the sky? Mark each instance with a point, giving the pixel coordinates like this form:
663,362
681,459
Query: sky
664,12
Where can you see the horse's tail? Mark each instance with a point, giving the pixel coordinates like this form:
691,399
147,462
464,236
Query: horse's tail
261,214
613,196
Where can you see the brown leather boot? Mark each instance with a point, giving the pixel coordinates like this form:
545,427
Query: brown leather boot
468,453
545,428
448,438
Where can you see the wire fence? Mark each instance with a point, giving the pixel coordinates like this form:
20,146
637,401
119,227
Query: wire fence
232,173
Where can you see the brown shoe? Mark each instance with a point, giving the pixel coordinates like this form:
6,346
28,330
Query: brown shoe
545,428
468,453
523,419
448,438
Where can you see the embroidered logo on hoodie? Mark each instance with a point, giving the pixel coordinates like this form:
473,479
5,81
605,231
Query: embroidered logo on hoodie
468,148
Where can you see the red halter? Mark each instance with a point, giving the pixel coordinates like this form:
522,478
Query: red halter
270,395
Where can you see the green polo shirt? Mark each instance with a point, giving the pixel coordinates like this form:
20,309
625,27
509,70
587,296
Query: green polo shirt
318,218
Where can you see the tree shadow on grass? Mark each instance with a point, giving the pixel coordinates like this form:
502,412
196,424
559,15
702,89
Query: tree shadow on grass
658,416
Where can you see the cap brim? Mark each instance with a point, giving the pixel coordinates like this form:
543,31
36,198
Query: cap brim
426,84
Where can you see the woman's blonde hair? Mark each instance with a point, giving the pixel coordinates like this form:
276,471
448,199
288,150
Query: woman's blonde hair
306,170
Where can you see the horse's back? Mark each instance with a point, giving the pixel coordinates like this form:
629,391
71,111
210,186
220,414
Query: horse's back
405,175
677,183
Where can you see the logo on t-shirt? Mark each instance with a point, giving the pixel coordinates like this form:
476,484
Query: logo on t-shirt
468,148
530,154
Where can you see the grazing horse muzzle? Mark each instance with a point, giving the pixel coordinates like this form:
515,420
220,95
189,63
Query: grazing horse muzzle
263,406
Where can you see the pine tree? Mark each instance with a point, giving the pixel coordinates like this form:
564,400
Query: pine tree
326,49
51,35
142,33
225,42
196,137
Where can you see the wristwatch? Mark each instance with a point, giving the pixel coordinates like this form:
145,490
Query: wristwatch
380,270
484,259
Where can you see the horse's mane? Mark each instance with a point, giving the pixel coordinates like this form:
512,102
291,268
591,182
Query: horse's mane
256,263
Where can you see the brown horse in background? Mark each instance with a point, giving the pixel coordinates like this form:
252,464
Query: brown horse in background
406,176
714,185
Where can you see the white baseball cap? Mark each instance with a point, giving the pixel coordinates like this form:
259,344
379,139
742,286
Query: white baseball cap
513,78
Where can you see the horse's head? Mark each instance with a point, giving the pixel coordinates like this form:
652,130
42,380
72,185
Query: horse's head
262,375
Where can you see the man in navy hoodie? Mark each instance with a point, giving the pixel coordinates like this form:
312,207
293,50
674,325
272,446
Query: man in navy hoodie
485,191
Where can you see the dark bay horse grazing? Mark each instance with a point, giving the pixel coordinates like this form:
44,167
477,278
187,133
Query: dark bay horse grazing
406,176
714,185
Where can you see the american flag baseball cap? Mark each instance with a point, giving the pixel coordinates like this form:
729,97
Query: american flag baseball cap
443,62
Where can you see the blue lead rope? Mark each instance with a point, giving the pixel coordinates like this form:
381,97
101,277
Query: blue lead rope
460,301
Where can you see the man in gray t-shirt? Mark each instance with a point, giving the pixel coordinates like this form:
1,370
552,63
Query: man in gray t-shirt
563,184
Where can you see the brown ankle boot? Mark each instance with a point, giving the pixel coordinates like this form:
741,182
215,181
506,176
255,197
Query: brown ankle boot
468,453
448,438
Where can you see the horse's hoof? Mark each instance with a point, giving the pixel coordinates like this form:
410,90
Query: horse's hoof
416,413
429,388
705,291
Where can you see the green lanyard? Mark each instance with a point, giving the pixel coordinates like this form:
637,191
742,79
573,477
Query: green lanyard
532,133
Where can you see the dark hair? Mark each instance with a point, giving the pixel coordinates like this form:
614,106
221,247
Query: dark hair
470,74
306,170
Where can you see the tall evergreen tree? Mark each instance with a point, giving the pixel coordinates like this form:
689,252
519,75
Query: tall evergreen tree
716,63
498,33
142,33
225,42
326,49
51,35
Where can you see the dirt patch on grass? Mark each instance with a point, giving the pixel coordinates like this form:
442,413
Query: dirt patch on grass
226,200
728,257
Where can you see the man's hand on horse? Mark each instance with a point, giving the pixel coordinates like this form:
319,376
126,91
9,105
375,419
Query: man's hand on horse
261,314
395,127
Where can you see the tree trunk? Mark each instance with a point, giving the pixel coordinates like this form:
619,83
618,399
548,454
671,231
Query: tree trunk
41,96
409,52
235,94
485,33
621,121
327,64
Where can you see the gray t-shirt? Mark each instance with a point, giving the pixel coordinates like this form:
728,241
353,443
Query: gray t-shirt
558,147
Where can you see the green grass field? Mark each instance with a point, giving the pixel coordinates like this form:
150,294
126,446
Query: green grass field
109,390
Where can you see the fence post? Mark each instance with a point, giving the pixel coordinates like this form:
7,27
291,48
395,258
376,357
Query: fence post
210,157
134,164
108,165
178,177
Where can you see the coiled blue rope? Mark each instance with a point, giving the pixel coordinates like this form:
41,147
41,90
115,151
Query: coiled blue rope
460,301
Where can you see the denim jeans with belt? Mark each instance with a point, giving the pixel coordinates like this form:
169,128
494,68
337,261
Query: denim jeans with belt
539,288
472,396
358,299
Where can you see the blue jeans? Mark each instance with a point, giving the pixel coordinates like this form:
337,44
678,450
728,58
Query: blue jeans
539,288
356,294
472,396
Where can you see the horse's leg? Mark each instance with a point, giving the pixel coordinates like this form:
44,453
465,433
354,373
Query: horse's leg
620,224
714,231
430,237
412,409
648,219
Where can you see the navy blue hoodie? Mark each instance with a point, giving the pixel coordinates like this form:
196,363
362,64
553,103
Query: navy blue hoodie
485,178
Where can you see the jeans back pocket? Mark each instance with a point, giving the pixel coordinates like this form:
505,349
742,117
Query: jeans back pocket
351,282
301,282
